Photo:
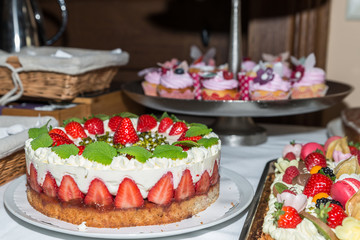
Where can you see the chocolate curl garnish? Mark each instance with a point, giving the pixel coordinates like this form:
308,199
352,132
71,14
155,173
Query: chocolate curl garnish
197,85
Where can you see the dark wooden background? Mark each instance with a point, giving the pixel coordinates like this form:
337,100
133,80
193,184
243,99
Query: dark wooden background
157,30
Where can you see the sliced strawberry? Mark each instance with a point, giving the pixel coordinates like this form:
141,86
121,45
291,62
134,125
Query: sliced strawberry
215,176
203,185
146,123
59,140
114,122
60,132
128,195
165,124
33,179
94,126
49,185
69,190
75,130
194,138
98,194
125,133
178,128
81,149
186,187
163,191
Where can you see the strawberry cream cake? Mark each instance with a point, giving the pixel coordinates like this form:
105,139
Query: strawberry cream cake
314,193
124,170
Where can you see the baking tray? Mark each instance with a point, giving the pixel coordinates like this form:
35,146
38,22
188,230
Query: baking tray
252,228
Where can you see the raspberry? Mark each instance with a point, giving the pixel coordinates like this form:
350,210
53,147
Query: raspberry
290,173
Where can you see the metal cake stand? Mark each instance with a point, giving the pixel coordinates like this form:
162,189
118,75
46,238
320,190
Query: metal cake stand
234,121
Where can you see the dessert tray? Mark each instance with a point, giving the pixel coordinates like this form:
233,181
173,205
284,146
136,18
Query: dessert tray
234,118
236,195
255,218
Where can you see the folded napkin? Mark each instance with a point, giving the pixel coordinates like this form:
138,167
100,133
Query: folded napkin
16,129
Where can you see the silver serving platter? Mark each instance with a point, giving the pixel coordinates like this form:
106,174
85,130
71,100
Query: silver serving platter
238,108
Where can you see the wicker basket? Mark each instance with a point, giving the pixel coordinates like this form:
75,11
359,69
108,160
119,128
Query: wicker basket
56,86
12,166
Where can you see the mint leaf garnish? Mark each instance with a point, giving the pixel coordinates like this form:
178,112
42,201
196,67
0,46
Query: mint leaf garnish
66,150
175,118
74,119
128,115
43,140
102,116
100,152
208,142
35,132
139,153
164,115
198,130
169,151
187,143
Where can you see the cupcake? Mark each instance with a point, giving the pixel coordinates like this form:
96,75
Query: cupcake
269,83
176,83
222,86
202,63
152,76
308,81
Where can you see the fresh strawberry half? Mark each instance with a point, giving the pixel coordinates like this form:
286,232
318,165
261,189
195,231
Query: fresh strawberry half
317,183
60,132
186,187
331,214
98,194
125,133
75,130
114,122
286,216
163,191
146,123
59,140
203,185
165,124
178,128
49,185
128,195
69,190
81,149
94,126
33,179
315,159
215,175
194,138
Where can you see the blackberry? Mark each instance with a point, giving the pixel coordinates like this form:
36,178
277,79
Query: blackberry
326,200
328,172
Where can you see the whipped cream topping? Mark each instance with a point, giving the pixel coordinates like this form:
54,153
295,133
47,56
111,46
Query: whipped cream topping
153,77
176,81
145,175
277,83
219,83
311,77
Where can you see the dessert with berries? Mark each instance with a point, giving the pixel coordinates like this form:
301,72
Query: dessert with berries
220,86
308,80
124,170
315,192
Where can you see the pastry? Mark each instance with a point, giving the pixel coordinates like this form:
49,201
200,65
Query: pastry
221,86
122,171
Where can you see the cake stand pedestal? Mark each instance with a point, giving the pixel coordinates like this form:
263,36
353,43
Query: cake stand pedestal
234,122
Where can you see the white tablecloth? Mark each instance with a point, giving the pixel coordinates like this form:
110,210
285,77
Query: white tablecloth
248,161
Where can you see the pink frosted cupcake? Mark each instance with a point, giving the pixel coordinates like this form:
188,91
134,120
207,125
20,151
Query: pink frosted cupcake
220,87
282,58
269,83
151,80
176,83
308,81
